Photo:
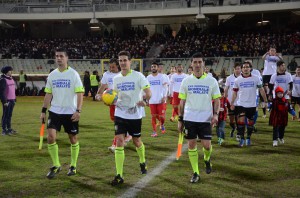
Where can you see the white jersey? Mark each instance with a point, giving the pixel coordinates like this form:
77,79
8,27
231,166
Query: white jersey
158,86
247,90
170,92
296,86
199,94
256,73
64,87
282,81
176,81
107,79
129,90
270,66
230,83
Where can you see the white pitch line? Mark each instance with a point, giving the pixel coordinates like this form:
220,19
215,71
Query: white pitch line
142,183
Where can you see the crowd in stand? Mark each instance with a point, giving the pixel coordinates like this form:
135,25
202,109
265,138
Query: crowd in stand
183,44
136,42
189,41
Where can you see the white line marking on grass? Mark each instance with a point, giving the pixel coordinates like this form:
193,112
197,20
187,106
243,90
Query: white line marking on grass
142,183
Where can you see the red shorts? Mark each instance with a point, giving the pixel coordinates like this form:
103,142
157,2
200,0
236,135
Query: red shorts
158,109
175,100
112,112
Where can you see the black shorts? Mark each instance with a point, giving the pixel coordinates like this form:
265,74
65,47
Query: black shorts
266,79
56,120
248,111
132,126
295,100
198,129
232,112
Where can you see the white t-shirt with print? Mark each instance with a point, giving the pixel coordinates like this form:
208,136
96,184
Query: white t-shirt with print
176,81
129,90
247,89
199,94
230,83
270,66
64,87
107,79
282,81
158,87
296,86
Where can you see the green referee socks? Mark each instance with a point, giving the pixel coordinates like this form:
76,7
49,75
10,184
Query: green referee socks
74,153
119,159
53,151
141,153
207,153
193,156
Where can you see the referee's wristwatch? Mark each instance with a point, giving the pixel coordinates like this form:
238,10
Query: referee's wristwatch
78,110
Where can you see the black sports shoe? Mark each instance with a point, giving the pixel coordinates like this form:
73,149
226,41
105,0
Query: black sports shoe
207,166
117,180
72,171
53,171
143,168
195,178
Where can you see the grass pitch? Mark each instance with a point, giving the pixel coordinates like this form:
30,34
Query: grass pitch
257,171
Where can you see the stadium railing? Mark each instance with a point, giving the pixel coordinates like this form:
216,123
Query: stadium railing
43,66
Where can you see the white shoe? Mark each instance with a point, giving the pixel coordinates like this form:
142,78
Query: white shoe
281,141
112,148
275,143
264,116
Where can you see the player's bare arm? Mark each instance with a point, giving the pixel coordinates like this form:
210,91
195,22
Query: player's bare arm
214,119
46,103
181,112
76,116
234,94
100,91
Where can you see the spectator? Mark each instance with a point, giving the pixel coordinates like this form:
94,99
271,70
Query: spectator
22,83
94,79
8,99
86,83
292,66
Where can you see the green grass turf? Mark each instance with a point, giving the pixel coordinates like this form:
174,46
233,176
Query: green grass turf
258,171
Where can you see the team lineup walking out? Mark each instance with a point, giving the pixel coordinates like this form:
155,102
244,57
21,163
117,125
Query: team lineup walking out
64,94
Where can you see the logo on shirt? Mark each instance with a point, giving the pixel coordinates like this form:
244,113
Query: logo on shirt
110,81
154,82
61,83
198,89
178,79
126,86
248,84
273,59
296,82
281,80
